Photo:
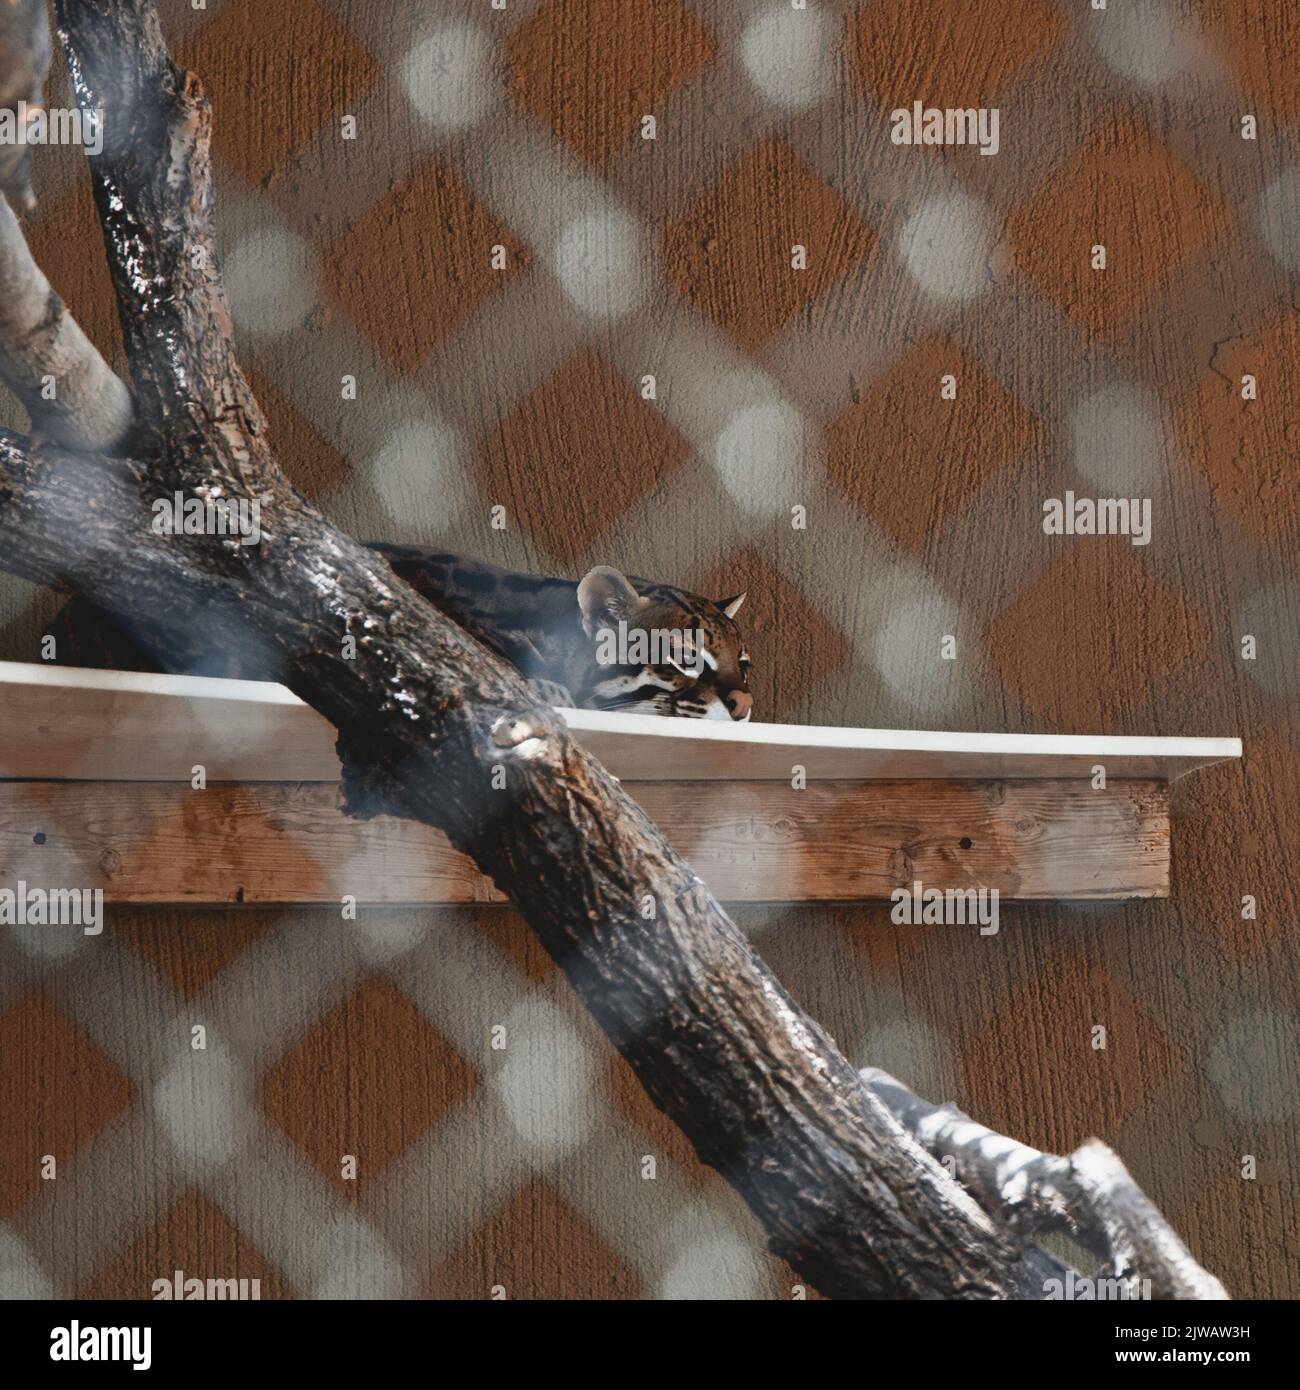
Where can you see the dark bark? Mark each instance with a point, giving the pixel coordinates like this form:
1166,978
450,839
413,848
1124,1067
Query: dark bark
425,716
1088,1195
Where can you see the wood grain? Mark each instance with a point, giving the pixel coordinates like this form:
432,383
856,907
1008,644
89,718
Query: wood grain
1086,640
161,843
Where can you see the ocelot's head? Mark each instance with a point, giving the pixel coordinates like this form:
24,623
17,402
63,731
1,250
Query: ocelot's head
661,650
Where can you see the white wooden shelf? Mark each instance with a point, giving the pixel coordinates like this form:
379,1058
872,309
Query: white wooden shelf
96,770
58,721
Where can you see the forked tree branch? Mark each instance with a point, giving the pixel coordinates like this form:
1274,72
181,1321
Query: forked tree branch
1088,1195
425,716
70,393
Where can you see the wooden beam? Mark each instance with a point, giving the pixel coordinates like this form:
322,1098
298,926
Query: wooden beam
159,843
100,764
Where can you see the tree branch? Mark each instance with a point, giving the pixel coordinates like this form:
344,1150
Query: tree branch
66,387
153,189
426,717
42,345
1088,1195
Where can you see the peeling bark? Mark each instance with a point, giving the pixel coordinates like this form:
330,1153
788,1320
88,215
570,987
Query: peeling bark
43,350
425,716
1088,1195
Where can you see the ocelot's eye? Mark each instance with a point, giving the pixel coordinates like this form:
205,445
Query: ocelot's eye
687,666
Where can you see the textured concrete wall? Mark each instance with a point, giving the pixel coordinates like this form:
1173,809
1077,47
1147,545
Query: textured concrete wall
775,388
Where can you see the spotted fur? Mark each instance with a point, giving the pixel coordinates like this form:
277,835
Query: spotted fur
547,628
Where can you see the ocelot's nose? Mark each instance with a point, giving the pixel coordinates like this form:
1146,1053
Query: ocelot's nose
739,702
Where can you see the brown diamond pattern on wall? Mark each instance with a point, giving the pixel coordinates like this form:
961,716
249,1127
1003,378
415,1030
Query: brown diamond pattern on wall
536,1246
1030,1067
419,263
312,463
1127,192
1073,646
59,233
729,254
368,1080
510,934
661,1138
792,643
1255,1211
1089,639
192,1236
276,74
1240,814
1259,42
909,459
1248,448
614,449
57,1092
948,54
189,950
591,71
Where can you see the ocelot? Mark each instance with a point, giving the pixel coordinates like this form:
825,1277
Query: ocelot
558,633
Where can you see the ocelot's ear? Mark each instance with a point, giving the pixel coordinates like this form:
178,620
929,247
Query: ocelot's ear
606,599
731,606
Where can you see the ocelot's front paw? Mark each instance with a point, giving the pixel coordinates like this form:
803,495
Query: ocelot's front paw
551,693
